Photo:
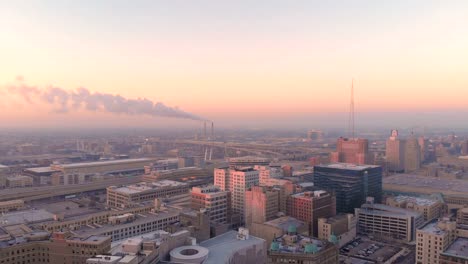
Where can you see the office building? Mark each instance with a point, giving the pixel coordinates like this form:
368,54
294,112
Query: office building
351,150
214,200
236,181
429,208
240,181
350,183
412,154
456,253
12,205
222,178
295,248
388,222
262,204
60,247
19,181
462,216
248,161
310,206
4,170
339,229
433,239
132,195
395,152
267,172
314,135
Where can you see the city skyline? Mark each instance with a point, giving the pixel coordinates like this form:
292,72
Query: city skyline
241,61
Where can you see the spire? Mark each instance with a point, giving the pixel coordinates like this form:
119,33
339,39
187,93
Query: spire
351,112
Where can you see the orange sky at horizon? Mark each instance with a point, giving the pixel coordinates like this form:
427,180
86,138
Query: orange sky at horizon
269,66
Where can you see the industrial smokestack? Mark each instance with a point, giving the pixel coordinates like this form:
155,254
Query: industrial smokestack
82,98
212,130
204,130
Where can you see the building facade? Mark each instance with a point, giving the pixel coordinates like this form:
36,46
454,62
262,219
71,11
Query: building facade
262,204
351,184
351,150
310,206
388,222
214,200
395,152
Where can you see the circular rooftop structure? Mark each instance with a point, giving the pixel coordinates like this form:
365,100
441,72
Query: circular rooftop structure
189,254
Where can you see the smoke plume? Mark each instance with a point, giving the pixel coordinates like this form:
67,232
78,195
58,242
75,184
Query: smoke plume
64,101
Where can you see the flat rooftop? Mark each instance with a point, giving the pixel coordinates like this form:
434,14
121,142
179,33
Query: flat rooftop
92,230
459,248
415,200
347,166
249,159
3,167
147,186
41,170
27,216
424,182
432,228
103,163
382,209
222,247
284,222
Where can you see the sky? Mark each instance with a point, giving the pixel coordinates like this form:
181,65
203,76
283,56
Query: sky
238,63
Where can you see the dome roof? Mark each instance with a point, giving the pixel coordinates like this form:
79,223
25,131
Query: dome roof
292,229
274,246
333,239
311,248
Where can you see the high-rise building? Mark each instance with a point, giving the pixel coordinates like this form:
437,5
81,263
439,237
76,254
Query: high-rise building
412,154
352,184
222,178
262,204
310,206
214,200
236,181
464,148
314,135
423,144
351,150
395,152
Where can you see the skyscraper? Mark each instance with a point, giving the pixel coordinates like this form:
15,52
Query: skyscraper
395,152
351,183
412,154
351,150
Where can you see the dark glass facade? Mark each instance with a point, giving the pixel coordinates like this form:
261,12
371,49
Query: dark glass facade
350,183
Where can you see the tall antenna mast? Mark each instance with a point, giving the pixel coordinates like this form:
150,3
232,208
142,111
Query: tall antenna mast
351,112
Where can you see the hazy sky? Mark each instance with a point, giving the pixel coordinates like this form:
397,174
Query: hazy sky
237,59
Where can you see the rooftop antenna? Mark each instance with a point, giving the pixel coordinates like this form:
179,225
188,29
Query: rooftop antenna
351,112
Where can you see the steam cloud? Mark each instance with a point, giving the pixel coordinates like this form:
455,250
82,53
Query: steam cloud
82,98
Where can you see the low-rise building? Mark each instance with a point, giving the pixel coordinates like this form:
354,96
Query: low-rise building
456,253
388,222
433,239
132,195
295,248
19,181
340,228
462,216
11,205
429,208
